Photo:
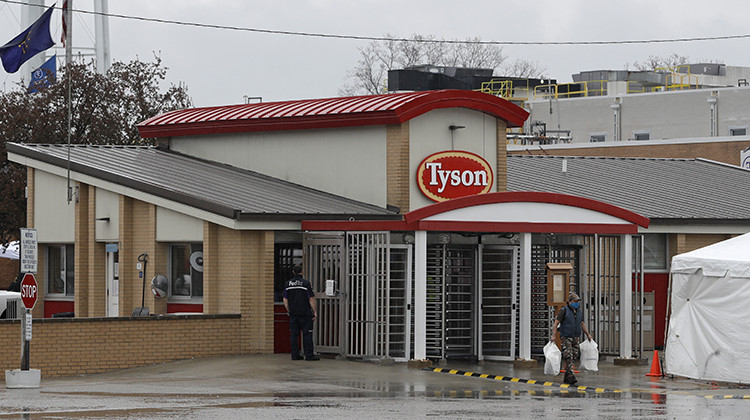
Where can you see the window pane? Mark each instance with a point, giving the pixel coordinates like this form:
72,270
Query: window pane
69,270
180,270
196,270
55,270
655,251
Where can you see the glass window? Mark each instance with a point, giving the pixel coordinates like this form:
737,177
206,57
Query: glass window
597,137
641,135
186,270
60,270
655,251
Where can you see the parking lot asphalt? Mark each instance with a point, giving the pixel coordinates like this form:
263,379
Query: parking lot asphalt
259,378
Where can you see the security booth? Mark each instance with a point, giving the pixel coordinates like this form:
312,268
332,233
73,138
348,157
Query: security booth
395,204
465,278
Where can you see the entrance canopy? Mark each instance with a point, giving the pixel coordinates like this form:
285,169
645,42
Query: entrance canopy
518,211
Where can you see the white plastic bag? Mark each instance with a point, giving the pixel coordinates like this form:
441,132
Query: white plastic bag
552,359
589,355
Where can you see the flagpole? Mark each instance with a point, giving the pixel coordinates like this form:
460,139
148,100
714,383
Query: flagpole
68,20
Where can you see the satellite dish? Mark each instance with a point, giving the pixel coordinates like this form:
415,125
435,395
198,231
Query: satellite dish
159,286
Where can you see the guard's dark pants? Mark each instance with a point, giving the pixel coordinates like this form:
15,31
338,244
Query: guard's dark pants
304,324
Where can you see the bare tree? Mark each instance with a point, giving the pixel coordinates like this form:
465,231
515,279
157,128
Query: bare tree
370,74
654,62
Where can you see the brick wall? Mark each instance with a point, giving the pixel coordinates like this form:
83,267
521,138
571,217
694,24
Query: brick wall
397,171
727,152
679,243
74,346
8,272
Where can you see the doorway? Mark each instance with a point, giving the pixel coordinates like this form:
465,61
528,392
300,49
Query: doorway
113,280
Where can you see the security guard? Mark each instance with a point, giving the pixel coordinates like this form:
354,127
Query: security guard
299,301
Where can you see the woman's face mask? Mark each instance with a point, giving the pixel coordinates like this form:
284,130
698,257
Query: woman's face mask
574,305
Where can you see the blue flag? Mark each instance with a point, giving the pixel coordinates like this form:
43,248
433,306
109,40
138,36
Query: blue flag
32,41
44,75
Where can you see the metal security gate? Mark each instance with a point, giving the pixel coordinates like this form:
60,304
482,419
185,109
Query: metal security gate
460,307
367,294
498,297
324,260
601,285
401,287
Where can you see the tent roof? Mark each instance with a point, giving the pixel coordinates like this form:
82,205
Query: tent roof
730,257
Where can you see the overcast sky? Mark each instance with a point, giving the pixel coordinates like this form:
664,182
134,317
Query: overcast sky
221,66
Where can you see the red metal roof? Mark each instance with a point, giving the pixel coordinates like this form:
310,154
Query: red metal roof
392,108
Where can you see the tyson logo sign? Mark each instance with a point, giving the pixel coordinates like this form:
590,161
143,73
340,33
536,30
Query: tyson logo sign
445,175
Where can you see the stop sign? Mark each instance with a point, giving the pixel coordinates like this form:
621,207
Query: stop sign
28,290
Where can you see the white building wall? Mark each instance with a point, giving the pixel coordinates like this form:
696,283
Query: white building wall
429,134
107,207
172,226
54,218
665,115
349,162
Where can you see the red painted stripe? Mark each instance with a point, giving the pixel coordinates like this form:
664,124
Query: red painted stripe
526,196
581,228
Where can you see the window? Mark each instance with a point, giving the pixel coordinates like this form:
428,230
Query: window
60,270
597,137
738,131
186,270
655,251
641,135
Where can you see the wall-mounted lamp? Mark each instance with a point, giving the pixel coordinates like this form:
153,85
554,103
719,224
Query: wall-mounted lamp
453,128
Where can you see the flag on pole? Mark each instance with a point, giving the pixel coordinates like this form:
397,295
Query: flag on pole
64,22
44,75
32,41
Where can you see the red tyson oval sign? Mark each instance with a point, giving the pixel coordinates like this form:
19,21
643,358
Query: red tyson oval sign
445,175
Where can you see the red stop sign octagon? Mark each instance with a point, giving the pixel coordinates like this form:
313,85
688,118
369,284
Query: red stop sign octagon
29,290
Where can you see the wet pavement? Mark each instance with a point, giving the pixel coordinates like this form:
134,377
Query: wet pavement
272,386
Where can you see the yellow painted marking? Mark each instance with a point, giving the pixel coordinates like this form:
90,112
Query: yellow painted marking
468,373
515,380
498,378
582,388
453,393
484,375
453,371
599,389
468,392
728,396
746,397
564,385
498,392
708,397
531,381
549,383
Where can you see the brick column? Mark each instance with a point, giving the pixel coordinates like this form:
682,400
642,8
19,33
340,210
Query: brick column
256,292
83,244
211,268
397,166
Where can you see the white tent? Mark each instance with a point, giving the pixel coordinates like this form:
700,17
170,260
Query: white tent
10,251
709,325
